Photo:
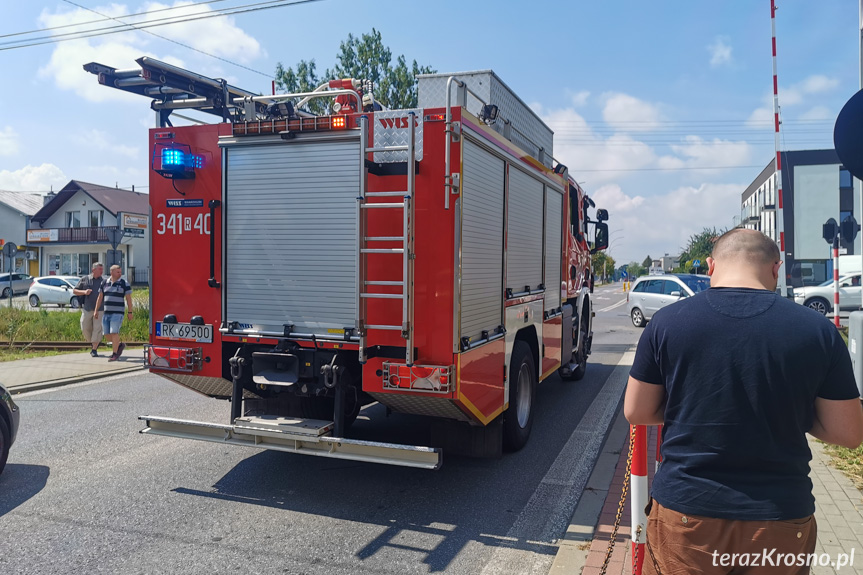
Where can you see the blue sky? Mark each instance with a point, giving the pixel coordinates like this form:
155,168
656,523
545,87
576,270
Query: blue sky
662,108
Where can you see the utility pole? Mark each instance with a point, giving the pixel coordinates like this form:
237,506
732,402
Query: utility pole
782,286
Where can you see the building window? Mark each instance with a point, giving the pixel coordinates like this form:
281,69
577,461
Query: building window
73,219
96,218
845,179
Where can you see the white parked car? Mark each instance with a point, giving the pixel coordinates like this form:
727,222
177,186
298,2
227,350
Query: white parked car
820,297
54,290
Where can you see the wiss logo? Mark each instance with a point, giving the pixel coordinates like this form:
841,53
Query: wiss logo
396,122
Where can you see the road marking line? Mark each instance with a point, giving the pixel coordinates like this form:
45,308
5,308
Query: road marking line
611,307
548,512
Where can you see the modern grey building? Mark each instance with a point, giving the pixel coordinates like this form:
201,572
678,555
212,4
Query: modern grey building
815,187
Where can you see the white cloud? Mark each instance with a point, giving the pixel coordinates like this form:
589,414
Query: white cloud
33,178
760,116
796,95
217,36
818,113
720,52
98,140
8,141
580,99
818,84
700,153
629,114
578,146
665,222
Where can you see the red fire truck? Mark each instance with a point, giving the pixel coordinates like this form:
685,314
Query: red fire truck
433,260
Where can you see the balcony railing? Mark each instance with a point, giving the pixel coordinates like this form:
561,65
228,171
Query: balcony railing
70,235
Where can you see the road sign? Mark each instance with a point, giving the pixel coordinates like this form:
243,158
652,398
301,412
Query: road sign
847,135
115,236
849,229
828,231
114,258
696,263
9,249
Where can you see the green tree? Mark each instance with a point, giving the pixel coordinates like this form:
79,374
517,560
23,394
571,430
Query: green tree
303,79
365,58
634,269
648,261
600,263
699,247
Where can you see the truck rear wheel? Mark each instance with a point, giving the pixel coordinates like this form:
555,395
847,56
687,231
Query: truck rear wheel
580,357
518,418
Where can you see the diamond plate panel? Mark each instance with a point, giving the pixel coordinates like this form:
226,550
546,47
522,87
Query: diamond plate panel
391,129
491,89
431,406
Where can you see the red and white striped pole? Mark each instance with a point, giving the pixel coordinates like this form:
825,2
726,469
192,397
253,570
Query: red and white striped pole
638,482
836,279
782,284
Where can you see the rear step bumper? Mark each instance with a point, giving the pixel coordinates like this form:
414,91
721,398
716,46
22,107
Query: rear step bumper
294,436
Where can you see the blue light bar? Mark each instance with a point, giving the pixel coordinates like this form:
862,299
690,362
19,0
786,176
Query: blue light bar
174,158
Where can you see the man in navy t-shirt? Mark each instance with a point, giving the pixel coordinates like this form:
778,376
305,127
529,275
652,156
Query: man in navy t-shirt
738,376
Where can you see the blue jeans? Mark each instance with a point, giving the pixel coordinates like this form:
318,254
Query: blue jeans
111,322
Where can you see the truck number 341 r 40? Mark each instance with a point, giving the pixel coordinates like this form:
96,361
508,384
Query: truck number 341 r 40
178,224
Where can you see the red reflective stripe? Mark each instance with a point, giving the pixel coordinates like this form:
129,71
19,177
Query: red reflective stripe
639,451
779,197
782,239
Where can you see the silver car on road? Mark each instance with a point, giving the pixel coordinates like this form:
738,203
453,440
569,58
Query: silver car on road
820,297
20,284
651,293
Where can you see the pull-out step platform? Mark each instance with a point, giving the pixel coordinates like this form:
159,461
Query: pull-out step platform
294,435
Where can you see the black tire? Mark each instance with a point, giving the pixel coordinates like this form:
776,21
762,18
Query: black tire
637,317
581,356
818,304
6,292
518,418
5,443
75,303
34,300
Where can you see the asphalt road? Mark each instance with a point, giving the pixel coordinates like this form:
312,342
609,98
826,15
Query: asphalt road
85,493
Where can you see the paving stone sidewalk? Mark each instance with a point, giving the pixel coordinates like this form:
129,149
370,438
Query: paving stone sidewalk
44,372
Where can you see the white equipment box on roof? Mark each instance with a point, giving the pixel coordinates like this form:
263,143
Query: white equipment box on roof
530,132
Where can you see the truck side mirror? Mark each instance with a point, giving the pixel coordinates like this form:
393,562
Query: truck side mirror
602,215
600,241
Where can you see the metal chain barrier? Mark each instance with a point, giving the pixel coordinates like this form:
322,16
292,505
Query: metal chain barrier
619,515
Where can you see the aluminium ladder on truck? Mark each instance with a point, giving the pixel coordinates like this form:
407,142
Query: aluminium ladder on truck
364,252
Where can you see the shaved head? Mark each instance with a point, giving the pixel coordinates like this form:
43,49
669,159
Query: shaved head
749,246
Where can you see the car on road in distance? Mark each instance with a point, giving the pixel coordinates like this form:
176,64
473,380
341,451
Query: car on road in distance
10,416
54,290
651,293
820,297
20,284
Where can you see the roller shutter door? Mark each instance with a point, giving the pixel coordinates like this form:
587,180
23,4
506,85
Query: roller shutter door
291,235
524,232
482,241
553,247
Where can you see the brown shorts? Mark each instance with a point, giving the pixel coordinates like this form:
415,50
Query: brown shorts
678,544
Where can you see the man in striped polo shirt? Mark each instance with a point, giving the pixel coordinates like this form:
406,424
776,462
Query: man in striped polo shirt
112,293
